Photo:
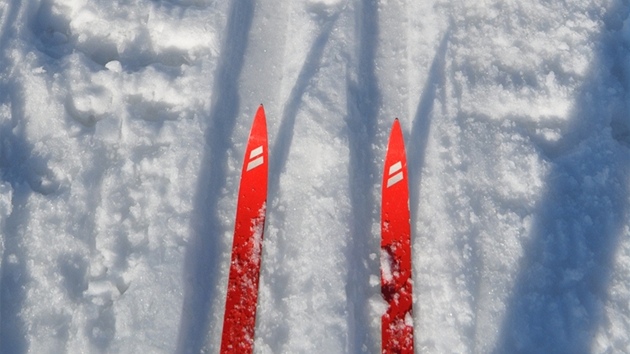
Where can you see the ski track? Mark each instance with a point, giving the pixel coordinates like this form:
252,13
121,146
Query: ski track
274,274
362,109
207,250
297,288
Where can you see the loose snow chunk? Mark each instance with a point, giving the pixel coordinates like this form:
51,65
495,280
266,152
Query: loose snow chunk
100,288
386,266
378,306
408,320
6,195
324,7
114,66
325,3
184,37
374,281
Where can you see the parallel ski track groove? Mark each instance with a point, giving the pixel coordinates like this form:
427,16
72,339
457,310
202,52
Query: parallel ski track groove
279,153
364,100
202,268
421,128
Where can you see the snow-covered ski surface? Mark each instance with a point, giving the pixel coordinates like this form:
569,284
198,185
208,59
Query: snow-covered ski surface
123,124
241,298
396,254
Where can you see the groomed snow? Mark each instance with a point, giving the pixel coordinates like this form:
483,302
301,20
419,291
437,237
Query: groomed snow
123,125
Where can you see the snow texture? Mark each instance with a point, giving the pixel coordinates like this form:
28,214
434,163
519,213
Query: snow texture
123,125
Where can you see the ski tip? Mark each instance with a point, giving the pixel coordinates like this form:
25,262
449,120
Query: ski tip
396,125
396,137
261,111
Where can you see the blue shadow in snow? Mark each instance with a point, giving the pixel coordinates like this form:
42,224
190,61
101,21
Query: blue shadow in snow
416,147
556,305
364,101
279,154
14,162
14,169
203,254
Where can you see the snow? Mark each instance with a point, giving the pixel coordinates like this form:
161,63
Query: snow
123,126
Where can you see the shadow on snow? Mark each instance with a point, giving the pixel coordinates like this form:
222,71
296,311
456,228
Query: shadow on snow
364,100
15,163
203,254
14,169
416,147
556,305
278,157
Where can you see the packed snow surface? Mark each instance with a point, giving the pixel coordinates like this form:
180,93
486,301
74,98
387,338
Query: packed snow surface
123,125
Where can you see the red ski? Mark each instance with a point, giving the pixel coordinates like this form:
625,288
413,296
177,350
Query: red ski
396,282
239,320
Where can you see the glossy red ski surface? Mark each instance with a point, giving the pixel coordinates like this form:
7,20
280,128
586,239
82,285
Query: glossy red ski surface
396,282
240,307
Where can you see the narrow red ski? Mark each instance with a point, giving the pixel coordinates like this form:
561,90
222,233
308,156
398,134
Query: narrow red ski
396,282
239,320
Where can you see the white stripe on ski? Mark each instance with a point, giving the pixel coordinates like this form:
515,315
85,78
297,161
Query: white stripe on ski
394,179
255,152
395,168
255,163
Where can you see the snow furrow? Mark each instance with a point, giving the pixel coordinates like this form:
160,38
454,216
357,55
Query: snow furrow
274,272
303,262
207,253
15,149
364,101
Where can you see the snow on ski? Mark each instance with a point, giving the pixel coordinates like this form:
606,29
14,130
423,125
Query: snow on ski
240,307
396,282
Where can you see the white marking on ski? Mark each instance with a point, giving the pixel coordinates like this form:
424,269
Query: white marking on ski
255,152
395,168
255,163
395,177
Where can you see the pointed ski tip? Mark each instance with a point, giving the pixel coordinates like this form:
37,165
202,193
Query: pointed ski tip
396,123
260,110
396,134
